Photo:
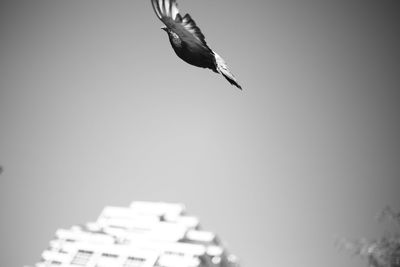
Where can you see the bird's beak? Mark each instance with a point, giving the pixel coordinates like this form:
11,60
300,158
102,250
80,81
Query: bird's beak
164,28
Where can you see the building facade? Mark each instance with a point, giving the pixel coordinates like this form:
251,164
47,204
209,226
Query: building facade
145,234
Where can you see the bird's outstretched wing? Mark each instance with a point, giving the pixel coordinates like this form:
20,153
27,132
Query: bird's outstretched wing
165,8
167,11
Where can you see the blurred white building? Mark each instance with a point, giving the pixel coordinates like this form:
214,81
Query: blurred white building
143,235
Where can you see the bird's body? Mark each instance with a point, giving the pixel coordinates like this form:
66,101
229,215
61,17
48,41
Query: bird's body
191,52
188,41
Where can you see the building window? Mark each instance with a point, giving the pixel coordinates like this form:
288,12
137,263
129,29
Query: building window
134,262
396,258
107,255
82,257
107,260
174,253
396,261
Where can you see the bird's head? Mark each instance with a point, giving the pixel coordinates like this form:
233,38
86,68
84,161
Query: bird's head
173,37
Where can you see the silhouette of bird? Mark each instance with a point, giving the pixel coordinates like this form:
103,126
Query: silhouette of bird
188,41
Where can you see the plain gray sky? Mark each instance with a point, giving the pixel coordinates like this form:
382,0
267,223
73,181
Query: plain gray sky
96,109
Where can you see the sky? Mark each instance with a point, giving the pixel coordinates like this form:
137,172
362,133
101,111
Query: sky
96,110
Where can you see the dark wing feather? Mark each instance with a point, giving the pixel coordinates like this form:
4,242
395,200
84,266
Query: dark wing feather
167,11
191,26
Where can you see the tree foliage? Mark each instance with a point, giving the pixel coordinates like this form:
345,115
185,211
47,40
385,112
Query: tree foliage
382,252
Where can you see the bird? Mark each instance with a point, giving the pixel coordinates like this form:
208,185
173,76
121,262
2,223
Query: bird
188,41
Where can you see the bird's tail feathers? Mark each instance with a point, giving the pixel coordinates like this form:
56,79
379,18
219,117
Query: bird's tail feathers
223,69
165,8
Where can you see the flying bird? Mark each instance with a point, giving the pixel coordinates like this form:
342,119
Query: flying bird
188,41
